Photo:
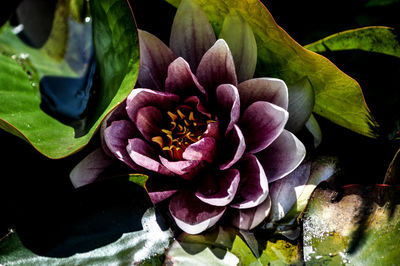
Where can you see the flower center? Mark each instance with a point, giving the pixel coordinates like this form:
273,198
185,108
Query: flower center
186,126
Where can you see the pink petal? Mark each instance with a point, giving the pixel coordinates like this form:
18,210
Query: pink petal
181,80
116,138
253,187
263,89
90,168
284,192
144,155
139,98
194,100
191,33
119,113
282,156
155,57
185,169
216,67
202,150
160,188
233,148
219,188
191,214
261,123
212,130
247,219
228,106
148,122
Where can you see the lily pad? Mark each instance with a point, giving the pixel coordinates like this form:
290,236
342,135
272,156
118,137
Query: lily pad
338,97
228,246
375,39
22,68
359,229
145,246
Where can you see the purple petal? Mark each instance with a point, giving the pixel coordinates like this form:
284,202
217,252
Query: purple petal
155,57
181,80
199,106
253,187
219,188
261,123
216,67
282,156
301,104
90,168
158,196
159,188
228,106
191,214
119,113
144,155
247,219
191,33
263,89
184,169
202,150
285,191
233,148
139,98
212,130
240,38
116,138
148,122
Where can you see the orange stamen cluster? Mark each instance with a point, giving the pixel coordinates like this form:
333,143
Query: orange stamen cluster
183,129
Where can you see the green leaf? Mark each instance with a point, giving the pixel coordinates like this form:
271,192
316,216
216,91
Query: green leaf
281,252
22,67
138,179
337,96
206,249
139,247
375,39
228,246
372,3
361,229
392,176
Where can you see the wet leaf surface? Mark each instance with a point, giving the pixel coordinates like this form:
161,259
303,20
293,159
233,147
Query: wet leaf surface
359,228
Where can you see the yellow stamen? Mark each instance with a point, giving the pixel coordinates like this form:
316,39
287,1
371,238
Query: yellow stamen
186,122
191,116
172,115
168,132
181,115
173,125
158,140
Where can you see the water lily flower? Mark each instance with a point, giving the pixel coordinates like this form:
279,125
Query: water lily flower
210,136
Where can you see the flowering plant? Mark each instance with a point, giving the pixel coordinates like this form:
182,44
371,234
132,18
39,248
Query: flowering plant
219,131
197,136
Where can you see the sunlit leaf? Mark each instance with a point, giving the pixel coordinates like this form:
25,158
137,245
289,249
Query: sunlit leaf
362,228
372,3
23,67
392,176
139,247
337,96
375,39
224,246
